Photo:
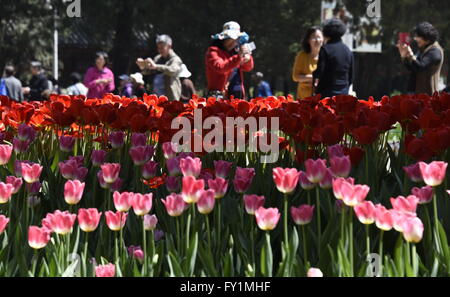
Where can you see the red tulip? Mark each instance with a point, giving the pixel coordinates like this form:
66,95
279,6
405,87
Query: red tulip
88,219
286,180
190,189
3,223
206,201
31,173
174,204
267,218
38,237
405,204
366,212
16,182
142,204
413,172
73,191
116,221
190,166
424,194
110,172
341,166
365,134
303,214
123,201
5,153
108,270
315,170
433,173
252,203
219,185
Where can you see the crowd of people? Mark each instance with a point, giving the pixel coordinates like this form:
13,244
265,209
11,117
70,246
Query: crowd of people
325,66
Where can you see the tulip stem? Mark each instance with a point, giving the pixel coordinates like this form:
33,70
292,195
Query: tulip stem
435,208
252,246
188,227
350,217
367,240
219,224
319,223
286,237
144,240
86,238
414,260
177,223
305,250
208,231
380,252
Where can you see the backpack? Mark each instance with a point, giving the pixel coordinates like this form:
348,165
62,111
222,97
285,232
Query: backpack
3,89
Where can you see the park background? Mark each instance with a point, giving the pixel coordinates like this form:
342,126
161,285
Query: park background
127,30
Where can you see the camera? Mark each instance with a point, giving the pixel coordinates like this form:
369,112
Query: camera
245,39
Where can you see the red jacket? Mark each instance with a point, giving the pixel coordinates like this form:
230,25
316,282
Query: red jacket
220,64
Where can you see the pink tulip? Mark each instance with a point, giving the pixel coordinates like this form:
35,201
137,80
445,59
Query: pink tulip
66,143
413,172
110,172
68,169
305,183
31,173
73,191
205,175
59,222
413,230
383,220
172,183
38,237
173,166
206,200
405,204
80,173
5,153
34,188
136,252
337,186
149,169
246,173
108,270
116,186
253,202
101,180
286,180
6,191
16,182
335,151
141,154
315,170
351,194
174,204
341,166
77,159
424,194
327,182
169,150
117,139
18,167
366,212
433,173
190,189
88,219
303,214
98,157
399,217
190,166
142,204
314,272
242,185
138,139
116,221
123,201
26,132
267,218
222,168
3,223
150,222
219,185
20,146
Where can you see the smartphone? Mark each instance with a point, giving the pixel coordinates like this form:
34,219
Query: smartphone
404,38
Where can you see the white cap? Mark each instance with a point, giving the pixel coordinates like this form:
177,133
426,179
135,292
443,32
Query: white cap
230,30
138,78
185,73
164,39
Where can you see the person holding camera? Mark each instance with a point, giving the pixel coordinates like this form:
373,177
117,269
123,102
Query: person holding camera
165,69
226,59
426,66
99,79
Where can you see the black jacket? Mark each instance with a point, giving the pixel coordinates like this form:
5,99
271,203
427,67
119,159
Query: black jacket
38,84
334,69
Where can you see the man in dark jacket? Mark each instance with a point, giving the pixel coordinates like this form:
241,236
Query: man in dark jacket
39,87
334,74
426,66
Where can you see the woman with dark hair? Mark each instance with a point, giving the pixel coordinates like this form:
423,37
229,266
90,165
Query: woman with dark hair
99,79
427,64
306,62
334,74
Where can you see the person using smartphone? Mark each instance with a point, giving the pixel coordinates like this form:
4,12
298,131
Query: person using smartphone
426,65
99,79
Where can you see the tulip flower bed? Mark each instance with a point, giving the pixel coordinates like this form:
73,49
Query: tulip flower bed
96,188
